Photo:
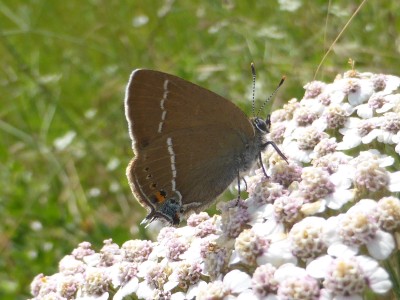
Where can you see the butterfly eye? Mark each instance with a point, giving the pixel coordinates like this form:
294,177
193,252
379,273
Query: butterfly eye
261,125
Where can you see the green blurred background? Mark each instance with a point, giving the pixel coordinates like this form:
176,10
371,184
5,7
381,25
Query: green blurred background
64,142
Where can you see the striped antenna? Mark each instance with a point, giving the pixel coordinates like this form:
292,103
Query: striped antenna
253,73
269,98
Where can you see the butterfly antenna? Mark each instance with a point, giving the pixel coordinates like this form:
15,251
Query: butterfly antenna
269,98
253,73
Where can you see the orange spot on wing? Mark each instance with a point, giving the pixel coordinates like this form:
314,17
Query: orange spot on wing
159,197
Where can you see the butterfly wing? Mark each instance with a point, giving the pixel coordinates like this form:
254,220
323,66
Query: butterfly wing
187,142
161,103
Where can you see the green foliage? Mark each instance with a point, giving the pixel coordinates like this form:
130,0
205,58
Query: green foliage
64,66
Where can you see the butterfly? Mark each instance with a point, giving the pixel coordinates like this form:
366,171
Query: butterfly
189,144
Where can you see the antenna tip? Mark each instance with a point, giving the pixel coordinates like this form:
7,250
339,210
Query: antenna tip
282,80
253,69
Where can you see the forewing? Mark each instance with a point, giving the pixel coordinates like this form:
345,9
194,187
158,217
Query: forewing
157,103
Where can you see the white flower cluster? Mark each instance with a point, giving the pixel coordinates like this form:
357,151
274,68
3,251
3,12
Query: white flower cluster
319,228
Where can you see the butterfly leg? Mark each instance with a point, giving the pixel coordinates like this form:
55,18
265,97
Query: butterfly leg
262,166
238,197
239,190
276,149
245,183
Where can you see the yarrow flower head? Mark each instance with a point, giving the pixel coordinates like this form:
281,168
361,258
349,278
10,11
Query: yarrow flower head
215,258
295,283
287,209
315,184
324,147
263,191
358,227
349,276
263,281
234,217
110,253
196,219
83,249
136,250
321,225
387,213
233,285
307,239
285,174
249,246
69,265
186,275
97,282
314,88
